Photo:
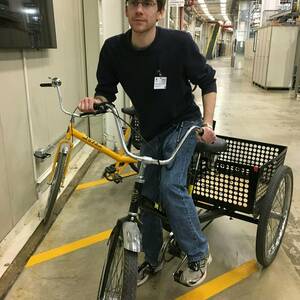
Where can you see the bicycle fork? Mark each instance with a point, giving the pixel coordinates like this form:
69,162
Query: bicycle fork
65,147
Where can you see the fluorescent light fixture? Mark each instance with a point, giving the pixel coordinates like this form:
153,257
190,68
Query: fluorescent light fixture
205,10
30,11
223,4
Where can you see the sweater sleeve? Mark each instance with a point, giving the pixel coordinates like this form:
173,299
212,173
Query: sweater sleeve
106,75
197,70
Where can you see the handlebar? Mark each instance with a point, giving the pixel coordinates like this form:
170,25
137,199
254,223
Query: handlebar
109,107
46,85
145,159
56,83
100,108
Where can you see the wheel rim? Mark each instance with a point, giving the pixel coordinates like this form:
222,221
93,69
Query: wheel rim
113,291
278,216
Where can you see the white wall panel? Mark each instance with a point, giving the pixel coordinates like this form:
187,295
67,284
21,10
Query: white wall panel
282,55
20,75
275,55
6,221
113,15
93,30
16,137
66,62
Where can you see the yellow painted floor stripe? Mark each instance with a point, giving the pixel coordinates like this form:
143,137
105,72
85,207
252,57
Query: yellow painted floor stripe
102,181
221,283
48,255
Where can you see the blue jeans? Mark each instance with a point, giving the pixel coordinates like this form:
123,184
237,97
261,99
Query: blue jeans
167,185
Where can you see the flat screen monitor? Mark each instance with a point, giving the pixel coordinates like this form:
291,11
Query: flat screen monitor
27,24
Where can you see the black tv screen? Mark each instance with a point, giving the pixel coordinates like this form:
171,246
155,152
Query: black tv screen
27,24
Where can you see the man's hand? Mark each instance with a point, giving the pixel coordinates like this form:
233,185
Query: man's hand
87,104
207,136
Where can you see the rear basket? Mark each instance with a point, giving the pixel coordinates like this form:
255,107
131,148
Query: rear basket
241,175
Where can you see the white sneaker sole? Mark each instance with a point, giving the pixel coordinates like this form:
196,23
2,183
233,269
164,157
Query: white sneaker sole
209,260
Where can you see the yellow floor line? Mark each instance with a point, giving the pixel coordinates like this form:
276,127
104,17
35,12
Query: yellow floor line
221,283
48,255
102,181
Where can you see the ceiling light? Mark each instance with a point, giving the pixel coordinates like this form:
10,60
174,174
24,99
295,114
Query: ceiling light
205,10
223,5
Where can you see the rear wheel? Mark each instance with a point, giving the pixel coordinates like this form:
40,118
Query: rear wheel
55,185
274,214
119,274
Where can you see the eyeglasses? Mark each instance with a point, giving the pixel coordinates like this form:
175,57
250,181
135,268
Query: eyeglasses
145,3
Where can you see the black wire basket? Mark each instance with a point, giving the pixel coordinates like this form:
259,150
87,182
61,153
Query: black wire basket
240,177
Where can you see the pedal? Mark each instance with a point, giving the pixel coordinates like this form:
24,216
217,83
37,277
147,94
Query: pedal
110,169
177,276
117,178
110,173
179,271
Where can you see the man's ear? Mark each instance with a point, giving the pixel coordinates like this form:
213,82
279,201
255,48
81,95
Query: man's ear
160,15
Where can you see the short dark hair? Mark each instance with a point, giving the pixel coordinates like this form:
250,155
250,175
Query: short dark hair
160,4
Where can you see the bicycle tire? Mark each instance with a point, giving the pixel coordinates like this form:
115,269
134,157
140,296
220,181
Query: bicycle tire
128,268
280,189
55,185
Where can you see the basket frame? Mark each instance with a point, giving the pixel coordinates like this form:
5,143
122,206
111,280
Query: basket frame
239,175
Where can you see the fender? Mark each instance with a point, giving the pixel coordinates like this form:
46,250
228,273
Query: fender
132,236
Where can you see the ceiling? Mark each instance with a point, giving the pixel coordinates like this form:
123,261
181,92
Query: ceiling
214,9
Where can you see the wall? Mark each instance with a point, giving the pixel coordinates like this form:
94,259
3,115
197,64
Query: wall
113,19
94,39
30,117
248,58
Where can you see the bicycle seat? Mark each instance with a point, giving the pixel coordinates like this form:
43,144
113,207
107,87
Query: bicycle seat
218,146
129,111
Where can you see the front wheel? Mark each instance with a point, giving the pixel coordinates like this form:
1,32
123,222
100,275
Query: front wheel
274,214
55,185
119,274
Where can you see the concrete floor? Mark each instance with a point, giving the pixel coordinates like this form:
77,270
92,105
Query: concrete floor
244,111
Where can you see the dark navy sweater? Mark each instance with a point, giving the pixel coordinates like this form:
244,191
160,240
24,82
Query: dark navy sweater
173,54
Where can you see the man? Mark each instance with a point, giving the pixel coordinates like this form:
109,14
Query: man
155,67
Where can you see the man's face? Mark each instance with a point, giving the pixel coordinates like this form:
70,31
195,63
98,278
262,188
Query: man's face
142,14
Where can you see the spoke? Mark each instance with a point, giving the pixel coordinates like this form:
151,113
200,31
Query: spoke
115,287
118,260
277,201
276,215
274,227
112,267
271,235
267,243
282,193
276,218
279,197
117,279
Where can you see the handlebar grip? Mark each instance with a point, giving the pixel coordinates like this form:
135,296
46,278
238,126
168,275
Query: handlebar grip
87,114
44,84
100,108
200,131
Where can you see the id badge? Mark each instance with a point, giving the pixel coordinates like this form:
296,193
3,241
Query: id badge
160,83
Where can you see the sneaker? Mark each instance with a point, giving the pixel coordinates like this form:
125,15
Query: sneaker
145,270
196,272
